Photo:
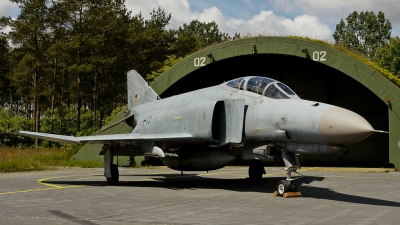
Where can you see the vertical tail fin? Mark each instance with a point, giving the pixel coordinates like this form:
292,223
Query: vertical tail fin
139,91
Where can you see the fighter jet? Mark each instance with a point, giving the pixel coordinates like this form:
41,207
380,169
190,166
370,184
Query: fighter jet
196,131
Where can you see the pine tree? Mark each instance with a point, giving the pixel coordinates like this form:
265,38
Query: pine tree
31,38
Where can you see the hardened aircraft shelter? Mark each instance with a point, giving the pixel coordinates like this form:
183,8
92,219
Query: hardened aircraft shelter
315,71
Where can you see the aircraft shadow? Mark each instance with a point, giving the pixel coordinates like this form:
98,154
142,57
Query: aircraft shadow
330,194
265,185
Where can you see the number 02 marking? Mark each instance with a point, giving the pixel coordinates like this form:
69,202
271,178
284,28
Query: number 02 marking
199,61
319,56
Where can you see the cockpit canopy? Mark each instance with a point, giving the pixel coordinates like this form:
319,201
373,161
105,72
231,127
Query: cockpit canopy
264,86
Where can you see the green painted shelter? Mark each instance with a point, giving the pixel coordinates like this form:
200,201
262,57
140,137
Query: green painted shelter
315,71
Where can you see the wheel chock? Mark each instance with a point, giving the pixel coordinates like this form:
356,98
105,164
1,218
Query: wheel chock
292,194
288,194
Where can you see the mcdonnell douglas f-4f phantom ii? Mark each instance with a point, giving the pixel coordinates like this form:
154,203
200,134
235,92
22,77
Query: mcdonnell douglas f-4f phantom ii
196,131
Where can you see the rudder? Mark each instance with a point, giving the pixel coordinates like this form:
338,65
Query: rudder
139,91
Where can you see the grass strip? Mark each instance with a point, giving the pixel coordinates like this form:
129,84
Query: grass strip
28,159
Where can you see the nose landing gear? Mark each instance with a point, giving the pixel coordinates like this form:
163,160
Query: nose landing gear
289,186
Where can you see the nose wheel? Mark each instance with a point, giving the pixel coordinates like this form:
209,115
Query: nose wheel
285,186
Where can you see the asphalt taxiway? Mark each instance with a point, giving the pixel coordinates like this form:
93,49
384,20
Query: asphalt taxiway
163,196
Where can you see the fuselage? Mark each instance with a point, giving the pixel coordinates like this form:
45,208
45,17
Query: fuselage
289,120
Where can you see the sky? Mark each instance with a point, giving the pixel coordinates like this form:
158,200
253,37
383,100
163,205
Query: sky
312,18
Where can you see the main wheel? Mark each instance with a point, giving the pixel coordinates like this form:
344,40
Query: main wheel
292,187
114,175
283,187
256,169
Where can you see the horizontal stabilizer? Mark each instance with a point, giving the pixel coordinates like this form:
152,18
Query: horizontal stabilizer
107,139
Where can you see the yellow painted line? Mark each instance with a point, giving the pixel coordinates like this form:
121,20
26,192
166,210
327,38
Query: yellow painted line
57,187
52,186
50,178
39,189
178,117
25,191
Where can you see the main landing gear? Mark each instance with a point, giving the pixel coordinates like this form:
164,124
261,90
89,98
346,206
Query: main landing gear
292,164
110,170
256,169
113,180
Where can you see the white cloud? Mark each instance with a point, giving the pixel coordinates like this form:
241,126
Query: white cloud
331,11
180,10
266,22
209,15
235,23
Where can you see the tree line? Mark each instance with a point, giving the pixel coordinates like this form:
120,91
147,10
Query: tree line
68,55
369,34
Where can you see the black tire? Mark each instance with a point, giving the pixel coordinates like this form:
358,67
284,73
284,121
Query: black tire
293,187
256,169
114,175
283,187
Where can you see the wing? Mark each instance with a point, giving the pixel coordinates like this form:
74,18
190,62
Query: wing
107,139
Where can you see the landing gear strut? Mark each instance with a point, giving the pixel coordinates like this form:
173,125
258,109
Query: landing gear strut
292,164
256,169
113,180
110,170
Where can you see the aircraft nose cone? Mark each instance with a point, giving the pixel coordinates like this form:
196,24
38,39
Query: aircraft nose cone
339,126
